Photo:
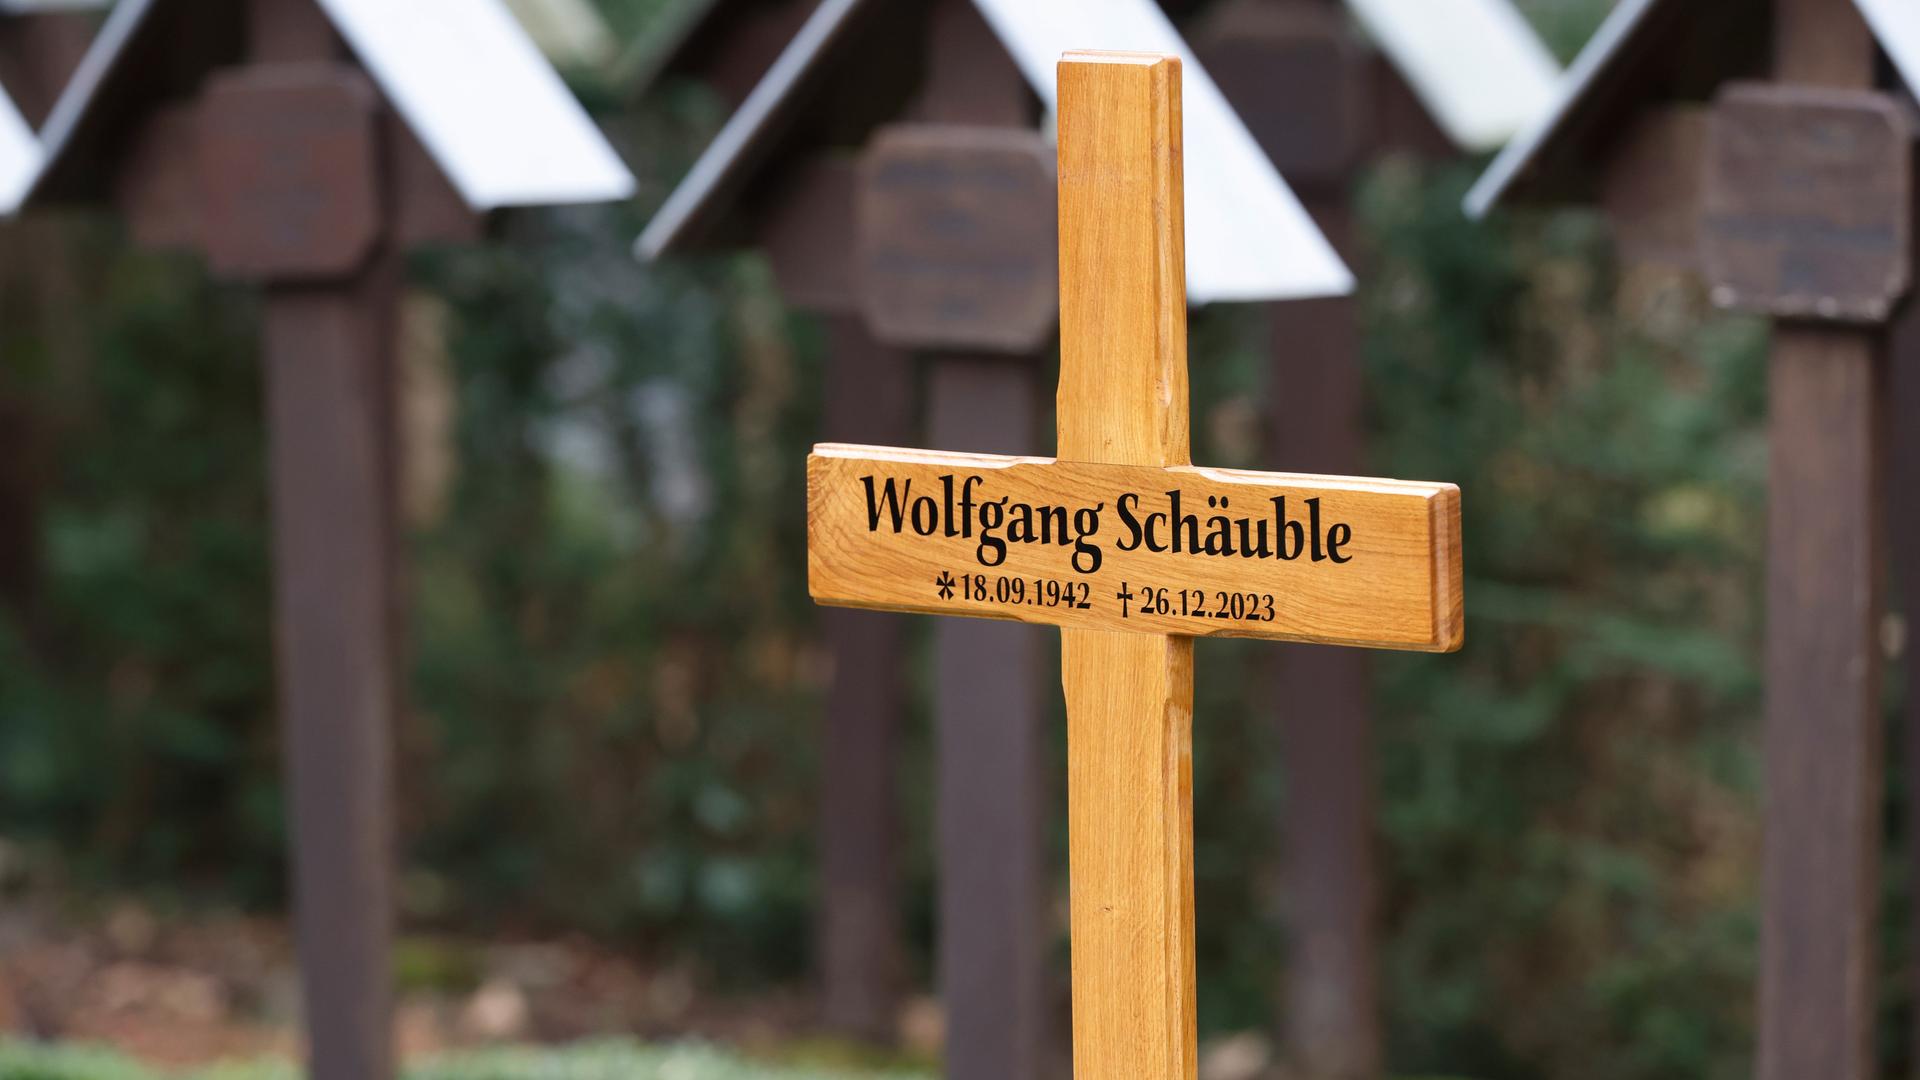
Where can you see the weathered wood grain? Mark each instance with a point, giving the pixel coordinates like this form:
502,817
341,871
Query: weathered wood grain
1373,562
1123,399
1128,665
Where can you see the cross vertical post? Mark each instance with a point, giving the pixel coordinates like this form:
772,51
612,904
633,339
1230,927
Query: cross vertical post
1123,400
1133,553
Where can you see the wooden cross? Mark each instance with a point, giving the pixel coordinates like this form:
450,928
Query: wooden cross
1133,552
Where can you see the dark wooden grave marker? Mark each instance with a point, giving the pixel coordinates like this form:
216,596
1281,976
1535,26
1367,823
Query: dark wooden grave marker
1807,203
273,145
1806,208
1325,106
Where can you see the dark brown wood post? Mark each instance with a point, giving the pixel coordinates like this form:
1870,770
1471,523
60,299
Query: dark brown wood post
1823,725
1295,70
329,387
992,768
297,199
1823,737
869,400
1330,1011
988,684
1904,511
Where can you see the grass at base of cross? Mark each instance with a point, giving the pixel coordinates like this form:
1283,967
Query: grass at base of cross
614,1060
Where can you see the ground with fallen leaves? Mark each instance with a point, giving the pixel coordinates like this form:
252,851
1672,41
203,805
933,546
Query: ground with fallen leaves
188,991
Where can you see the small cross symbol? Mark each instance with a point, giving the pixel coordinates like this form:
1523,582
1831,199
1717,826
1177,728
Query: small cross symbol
1125,596
945,583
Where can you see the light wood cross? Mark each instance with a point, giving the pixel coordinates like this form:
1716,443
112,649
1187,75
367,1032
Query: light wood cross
1133,552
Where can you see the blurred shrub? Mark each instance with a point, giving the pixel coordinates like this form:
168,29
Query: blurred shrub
1569,803
136,688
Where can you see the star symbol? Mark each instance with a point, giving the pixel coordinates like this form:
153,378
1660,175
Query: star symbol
945,584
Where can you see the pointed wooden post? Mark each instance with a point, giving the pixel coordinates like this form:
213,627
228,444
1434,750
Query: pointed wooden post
1123,400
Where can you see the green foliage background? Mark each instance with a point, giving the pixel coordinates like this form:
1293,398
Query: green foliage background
617,686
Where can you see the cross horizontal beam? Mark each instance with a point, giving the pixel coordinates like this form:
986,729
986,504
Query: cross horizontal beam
1183,550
